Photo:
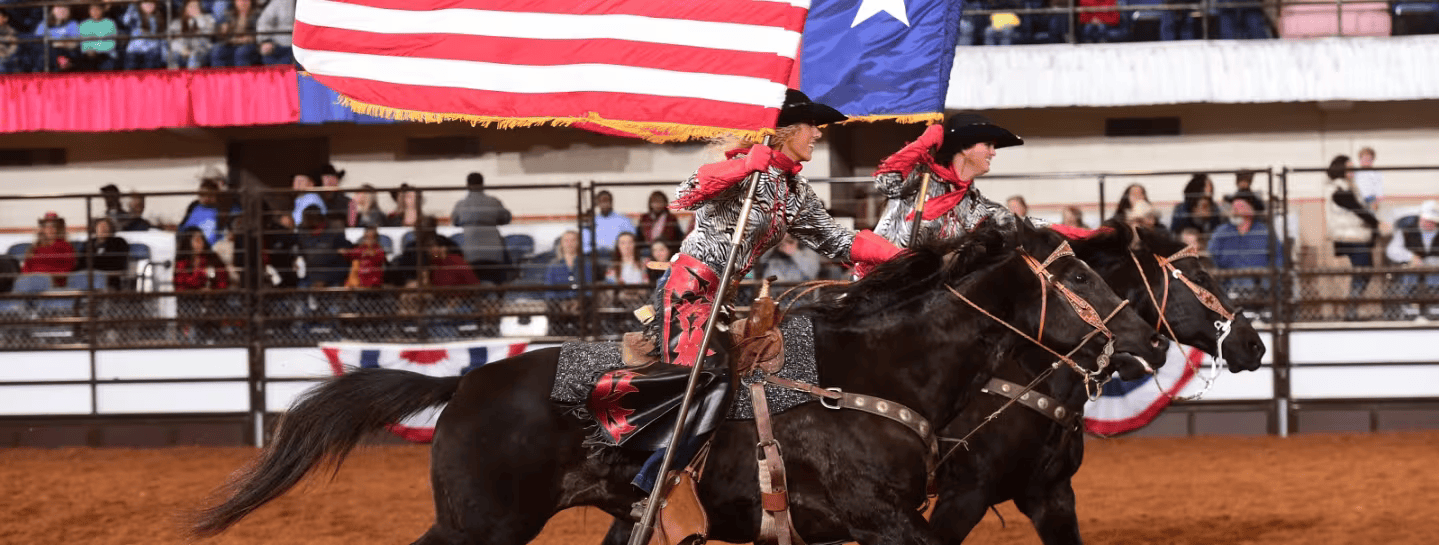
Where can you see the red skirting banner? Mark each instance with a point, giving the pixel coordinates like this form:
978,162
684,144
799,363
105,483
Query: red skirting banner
149,99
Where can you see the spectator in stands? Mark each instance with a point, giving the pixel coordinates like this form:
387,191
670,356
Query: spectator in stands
305,197
790,262
1415,245
230,249
626,269
337,204
481,214
404,270
366,210
51,253
193,42
659,224
236,43
1074,217
204,212
659,252
1369,183
1003,26
9,46
1246,23
1143,215
197,268
607,225
1197,210
1097,26
1191,237
407,206
133,217
1017,206
569,268
367,261
63,33
320,243
276,22
1132,194
110,194
96,53
1243,181
1243,243
106,253
1352,227
146,25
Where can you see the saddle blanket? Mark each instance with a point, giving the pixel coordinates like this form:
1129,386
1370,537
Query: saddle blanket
581,365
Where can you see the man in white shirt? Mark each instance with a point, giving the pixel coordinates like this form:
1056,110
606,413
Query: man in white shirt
1414,245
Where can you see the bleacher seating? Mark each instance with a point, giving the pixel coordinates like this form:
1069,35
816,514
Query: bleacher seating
1318,21
18,250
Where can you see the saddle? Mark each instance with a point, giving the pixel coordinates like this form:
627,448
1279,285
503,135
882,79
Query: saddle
759,344
757,338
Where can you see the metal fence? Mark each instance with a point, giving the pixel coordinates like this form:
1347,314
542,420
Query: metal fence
283,303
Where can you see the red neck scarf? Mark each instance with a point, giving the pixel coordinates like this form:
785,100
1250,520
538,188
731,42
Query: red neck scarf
938,206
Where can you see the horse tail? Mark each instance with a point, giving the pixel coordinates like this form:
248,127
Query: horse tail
322,428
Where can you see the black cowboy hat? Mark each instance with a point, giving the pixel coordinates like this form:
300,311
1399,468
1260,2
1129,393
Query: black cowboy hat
969,128
798,108
329,169
1246,196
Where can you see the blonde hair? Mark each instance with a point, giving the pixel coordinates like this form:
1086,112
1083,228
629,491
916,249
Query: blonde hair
722,144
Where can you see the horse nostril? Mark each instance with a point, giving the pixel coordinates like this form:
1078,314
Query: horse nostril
1155,341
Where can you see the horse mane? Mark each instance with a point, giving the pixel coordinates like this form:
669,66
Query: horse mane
1107,246
918,271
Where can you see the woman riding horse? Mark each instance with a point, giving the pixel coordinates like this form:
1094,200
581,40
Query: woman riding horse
783,203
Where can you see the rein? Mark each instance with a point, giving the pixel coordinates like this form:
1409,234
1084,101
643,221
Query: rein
1207,298
1093,383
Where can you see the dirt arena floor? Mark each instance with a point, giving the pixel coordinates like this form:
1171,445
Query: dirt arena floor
1313,489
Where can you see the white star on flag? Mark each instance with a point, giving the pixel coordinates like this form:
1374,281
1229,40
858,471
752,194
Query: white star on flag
870,8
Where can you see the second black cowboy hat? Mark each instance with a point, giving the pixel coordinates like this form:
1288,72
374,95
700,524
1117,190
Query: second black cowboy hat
967,129
798,108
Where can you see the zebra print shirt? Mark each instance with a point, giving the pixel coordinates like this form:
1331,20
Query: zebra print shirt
902,191
781,203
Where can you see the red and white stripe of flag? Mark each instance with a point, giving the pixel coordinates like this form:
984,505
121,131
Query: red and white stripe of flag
675,66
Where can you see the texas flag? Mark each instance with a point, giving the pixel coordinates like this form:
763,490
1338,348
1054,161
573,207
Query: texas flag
880,58
436,360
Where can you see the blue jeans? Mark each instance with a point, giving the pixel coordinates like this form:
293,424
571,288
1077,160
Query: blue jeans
145,60
193,60
1242,24
280,55
234,55
995,36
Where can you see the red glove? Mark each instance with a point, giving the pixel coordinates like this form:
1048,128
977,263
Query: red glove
714,178
871,248
904,160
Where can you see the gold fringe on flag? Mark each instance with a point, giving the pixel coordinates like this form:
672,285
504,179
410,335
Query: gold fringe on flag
897,118
649,131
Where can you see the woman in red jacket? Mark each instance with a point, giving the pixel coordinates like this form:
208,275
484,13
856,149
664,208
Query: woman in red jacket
197,269
51,253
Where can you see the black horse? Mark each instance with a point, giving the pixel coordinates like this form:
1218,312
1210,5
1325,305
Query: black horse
1029,457
505,458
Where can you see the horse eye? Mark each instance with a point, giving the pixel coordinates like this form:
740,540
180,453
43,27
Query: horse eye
1079,277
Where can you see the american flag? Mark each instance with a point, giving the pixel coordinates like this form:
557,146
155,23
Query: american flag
436,360
663,69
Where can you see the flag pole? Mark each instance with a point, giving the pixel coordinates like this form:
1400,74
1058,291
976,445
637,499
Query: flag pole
918,210
642,530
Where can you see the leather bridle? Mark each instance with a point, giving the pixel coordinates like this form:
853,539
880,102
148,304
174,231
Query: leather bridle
1207,298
